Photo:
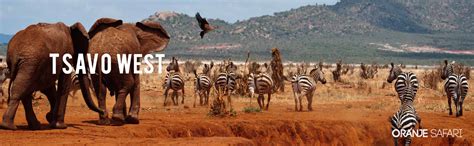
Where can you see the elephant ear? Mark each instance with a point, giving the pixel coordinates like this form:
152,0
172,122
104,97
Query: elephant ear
153,27
103,23
80,38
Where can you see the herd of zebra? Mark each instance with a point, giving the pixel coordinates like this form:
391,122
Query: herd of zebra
303,85
261,83
225,80
406,86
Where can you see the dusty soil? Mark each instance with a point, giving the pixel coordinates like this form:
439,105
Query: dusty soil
343,115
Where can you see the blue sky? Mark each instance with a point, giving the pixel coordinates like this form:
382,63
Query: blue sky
17,14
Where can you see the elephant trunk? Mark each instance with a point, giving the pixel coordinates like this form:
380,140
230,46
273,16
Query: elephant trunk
83,82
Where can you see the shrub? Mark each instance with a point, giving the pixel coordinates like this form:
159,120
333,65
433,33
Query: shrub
252,109
368,72
431,78
218,109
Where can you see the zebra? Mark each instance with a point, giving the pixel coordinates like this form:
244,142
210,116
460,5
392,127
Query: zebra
226,82
202,85
456,87
403,80
173,81
303,86
261,84
404,119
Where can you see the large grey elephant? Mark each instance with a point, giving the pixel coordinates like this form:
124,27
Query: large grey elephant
30,65
111,36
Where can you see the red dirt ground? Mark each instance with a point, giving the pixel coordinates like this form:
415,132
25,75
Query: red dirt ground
352,113
340,123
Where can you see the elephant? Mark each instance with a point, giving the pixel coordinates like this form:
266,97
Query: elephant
31,70
111,36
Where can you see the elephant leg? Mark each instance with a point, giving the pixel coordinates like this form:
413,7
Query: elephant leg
118,114
132,118
127,84
50,93
124,107
64,83
9,115
33,123
101,93
20,86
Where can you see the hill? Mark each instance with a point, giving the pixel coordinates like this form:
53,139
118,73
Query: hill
4,38
406,31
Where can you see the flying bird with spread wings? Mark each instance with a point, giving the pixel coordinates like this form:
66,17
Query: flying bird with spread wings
204,25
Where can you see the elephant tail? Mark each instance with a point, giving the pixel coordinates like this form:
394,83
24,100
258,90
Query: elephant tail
85,85
13,70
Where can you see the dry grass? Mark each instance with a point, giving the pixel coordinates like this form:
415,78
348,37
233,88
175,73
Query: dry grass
374,93
431,78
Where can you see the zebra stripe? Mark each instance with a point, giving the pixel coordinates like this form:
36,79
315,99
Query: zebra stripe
202,82
404,119
302,84
406,80
176,82
202,86
456,87
226,81
260,84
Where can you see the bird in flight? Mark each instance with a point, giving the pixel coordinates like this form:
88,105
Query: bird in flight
204,25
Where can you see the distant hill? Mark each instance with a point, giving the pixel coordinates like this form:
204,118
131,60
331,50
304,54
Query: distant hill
410,31
4,38
403,31
413,16
3,49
